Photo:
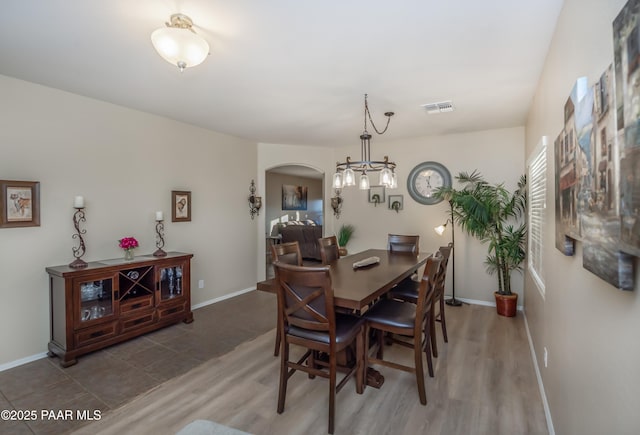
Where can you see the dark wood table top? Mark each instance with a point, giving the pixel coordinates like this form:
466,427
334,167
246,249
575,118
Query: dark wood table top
355,289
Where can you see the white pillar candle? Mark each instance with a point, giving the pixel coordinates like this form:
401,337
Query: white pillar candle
78,202
159,216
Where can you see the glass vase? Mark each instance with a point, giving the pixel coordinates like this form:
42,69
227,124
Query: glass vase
128,254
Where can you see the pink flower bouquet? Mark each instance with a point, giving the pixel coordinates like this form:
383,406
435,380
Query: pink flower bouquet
128,243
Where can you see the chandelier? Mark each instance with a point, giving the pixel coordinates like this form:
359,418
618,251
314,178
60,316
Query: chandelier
179,44
346,172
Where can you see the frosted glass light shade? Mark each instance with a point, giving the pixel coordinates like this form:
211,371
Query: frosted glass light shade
364,182
180,47
349,177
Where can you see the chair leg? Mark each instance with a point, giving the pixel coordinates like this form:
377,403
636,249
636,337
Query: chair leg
434,341
427,347
332,390
443,322
276,351
360,361
284,376
417,352
380,336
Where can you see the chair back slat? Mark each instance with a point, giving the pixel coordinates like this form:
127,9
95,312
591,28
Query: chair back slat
305,297
287,253
427,290
403,243
329,249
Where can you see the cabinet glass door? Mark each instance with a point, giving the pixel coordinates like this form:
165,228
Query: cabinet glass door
96,299
170,282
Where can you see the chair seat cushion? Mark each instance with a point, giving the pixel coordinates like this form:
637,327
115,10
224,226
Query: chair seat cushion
393,313
407,290
346,329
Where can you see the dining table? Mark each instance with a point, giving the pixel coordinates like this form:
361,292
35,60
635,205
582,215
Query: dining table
355,287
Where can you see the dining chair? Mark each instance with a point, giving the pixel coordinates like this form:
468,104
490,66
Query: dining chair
286,253
408,320
308,319
403,243
408,291
328,249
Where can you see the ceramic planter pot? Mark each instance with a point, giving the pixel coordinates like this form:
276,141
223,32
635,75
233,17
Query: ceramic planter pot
506,305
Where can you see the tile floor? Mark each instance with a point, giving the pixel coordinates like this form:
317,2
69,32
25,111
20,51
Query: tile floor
109,378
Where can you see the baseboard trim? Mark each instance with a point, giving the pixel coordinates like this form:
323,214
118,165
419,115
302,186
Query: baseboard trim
478,302
543,394
21,361
222,298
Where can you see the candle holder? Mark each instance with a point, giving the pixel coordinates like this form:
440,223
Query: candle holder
159,239
78,252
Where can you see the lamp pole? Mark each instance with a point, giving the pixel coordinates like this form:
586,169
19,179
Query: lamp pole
453,301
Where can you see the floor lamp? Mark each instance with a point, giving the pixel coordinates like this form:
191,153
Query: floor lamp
440,230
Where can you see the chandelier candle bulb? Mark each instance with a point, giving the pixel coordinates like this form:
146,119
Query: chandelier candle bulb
159,216
78,202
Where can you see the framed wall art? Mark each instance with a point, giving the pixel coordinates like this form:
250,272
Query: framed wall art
180,206
294,197
376,195
396,203
19,204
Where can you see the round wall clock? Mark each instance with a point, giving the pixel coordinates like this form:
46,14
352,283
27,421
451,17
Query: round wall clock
424,179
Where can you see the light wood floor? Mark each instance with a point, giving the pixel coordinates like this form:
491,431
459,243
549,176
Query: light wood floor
484,384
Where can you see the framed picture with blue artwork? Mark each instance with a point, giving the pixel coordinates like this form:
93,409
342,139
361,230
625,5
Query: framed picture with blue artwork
294,197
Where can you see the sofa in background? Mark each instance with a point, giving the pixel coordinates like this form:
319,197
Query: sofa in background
307,237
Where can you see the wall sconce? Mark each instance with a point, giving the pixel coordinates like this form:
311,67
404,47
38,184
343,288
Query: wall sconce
336,204
255,202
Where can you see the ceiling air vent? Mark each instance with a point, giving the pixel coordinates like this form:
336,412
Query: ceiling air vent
441,107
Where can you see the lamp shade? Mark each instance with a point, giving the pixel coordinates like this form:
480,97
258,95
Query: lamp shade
180,46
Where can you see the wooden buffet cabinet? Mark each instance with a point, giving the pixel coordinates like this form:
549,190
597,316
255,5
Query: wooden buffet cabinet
115,300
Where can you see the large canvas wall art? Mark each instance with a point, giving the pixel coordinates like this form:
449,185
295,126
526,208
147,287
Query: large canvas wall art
597,162
626,43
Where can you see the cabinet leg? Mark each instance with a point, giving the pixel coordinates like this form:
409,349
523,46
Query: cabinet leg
189,318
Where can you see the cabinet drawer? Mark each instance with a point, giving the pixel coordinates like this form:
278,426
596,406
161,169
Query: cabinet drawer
96,333
135,304
137,321
170,310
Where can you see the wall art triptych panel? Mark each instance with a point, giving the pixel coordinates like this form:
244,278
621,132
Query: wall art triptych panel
597,157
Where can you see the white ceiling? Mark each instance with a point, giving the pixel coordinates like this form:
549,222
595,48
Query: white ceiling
293,71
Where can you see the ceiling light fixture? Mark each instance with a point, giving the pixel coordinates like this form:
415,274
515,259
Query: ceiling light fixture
345,172
179,44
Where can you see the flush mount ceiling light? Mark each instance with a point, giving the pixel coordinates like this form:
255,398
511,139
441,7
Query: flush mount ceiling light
179,44
345,172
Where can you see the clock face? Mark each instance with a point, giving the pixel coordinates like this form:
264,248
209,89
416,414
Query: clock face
424,179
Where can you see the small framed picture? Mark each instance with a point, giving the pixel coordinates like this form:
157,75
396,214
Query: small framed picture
294,197
19,204
180,206
376,194
396,203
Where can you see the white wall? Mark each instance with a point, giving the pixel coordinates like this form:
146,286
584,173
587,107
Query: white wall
125,163
589,328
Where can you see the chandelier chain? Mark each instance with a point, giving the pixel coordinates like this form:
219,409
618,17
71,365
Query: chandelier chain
367,113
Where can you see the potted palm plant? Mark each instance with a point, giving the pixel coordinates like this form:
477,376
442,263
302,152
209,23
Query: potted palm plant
491,214
344,235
